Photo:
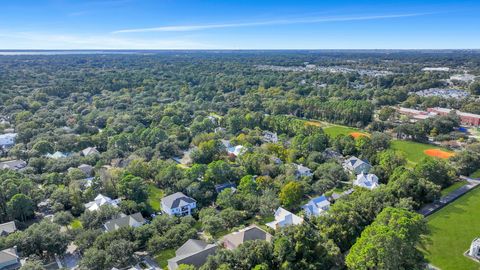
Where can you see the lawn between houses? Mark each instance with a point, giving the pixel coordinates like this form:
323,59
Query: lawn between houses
155,196
452,230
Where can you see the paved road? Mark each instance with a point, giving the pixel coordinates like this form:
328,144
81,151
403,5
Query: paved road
452,196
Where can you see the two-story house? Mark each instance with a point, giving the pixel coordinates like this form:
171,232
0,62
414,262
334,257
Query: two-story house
178,204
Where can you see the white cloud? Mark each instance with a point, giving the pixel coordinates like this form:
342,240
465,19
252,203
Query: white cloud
46,41
182,28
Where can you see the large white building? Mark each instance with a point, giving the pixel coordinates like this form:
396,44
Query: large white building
178,204
284,218
366,180
316,206
99,201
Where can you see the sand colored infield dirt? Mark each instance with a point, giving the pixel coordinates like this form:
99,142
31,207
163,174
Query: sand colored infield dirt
358,134
438,153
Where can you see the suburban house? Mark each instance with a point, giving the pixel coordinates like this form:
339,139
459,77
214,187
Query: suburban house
193,252
366,180
302,171
13,165
86,169
7,228
316,206
89,151
284,218
220,187
271,137
9,259
56,155
253,232
99,201
7,140
474,250
186,158
178,204
356,165
133,220
233,151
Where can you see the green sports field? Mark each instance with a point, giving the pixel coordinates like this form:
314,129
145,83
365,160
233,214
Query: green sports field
452,229
413,151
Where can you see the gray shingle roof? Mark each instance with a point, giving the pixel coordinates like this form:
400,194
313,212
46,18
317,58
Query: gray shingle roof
8,255
124,221
176,200
198,256
248,234
191,246
7,228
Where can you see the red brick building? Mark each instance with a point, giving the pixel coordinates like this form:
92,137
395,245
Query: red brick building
469,119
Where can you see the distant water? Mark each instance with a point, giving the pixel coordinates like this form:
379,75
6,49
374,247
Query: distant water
65,52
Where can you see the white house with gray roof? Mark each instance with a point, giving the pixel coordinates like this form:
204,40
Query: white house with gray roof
193,252
356,165
178,204
302,171
99,201
133,220
316,206
366,180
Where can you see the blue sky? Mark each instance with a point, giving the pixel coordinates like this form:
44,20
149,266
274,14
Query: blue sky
228,24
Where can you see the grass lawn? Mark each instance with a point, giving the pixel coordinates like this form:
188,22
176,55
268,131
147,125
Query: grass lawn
475,174
162,257
76,224
413,151
453,187
154,196
452,229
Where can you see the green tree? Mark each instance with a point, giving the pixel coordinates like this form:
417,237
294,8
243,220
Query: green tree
43,147
133,188
291,194
20,207
390,242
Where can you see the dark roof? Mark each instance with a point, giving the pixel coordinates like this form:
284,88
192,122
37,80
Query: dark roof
124,221
248,234
191,246
199,252
176,200
220,187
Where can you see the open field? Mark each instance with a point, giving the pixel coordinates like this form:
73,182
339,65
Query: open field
335,130
451,231
414,151
154,196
